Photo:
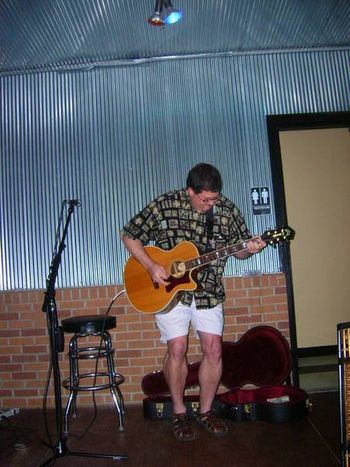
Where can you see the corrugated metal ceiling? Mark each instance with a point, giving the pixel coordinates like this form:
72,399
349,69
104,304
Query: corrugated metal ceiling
52,34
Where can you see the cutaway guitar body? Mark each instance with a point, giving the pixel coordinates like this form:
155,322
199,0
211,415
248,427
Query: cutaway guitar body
148,297
182,263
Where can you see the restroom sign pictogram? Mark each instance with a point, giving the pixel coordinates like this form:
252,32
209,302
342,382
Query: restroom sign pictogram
261,200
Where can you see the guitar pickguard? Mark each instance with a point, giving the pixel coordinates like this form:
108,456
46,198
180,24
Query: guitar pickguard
177,282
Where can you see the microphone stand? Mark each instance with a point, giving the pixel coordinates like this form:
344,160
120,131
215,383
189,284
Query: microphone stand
56,340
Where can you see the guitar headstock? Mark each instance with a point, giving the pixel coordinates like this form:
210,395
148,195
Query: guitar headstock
277,236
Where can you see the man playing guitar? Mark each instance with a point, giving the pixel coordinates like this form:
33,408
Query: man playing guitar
202,215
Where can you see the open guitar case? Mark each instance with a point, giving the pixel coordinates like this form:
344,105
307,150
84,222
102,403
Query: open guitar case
256,374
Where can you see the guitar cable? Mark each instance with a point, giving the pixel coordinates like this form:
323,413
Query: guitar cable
47,384
96,364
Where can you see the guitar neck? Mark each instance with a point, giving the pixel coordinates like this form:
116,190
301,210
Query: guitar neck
271,237
221,253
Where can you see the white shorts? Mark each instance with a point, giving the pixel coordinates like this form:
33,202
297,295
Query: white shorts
177,322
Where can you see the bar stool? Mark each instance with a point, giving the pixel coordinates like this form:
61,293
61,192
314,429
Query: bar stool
83,327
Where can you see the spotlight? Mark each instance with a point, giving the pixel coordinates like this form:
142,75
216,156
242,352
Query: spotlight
171,15
157,19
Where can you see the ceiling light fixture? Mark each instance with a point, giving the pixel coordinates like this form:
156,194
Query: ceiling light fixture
157,19
171,15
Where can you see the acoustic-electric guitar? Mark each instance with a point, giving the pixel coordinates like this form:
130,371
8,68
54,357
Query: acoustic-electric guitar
181,263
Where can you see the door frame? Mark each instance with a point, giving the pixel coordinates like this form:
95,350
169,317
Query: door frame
276,124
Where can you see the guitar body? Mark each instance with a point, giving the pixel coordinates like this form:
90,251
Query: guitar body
182,264
147,297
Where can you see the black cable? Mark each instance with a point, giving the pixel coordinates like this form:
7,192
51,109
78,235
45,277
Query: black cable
49,373
44,407
96,365
58,231
13,434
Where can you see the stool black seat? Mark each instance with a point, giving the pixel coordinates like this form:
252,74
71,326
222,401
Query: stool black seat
82,327
89,325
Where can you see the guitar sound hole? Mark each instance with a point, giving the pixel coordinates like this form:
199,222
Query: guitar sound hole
177,269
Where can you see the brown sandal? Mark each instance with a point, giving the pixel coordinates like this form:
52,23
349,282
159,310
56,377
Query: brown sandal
182,429
212,424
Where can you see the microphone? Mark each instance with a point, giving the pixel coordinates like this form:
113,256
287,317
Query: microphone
73,202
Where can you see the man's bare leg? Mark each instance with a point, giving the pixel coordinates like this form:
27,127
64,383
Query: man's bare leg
175,372
210,369
210,372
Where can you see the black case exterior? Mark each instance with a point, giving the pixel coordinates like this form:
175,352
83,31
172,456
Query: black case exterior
255,370
160,408
284,411
271,408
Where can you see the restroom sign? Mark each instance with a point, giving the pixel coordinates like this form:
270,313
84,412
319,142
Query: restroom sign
261,200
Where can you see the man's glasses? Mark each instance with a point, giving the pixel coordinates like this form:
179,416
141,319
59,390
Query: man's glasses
208,200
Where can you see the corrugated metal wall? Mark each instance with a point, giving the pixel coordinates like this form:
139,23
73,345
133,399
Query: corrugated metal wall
116,137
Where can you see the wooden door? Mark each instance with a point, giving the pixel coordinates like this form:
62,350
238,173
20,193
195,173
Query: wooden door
316,174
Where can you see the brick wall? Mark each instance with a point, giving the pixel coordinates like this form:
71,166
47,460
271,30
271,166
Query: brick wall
24,345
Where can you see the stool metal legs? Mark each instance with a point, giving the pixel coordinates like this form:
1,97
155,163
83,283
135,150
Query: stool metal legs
73,383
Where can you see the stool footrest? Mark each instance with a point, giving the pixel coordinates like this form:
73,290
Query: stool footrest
119,379
92,353
100,377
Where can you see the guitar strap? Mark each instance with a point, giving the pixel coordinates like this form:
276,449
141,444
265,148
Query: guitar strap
209,224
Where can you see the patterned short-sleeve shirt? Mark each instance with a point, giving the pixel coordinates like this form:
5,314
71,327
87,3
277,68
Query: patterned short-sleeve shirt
171,219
